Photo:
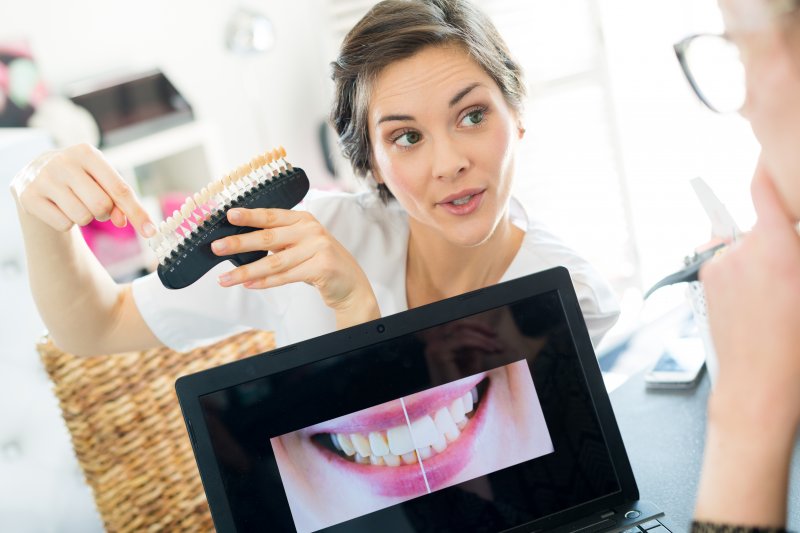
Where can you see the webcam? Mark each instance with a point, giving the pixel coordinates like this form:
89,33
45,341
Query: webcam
381,328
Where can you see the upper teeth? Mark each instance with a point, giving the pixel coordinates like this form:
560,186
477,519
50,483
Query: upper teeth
462,201
431,433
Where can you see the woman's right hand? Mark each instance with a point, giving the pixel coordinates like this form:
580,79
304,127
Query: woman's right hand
302,251
76,185
753,297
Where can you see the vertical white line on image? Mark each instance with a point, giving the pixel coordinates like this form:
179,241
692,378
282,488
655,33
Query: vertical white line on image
416,448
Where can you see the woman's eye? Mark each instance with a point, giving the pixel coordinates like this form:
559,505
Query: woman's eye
408,138
472,118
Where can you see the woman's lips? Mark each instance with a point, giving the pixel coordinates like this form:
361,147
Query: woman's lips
463,203
371,456
390,414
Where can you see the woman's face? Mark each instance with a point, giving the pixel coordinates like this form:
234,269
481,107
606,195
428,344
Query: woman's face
770,51
443,139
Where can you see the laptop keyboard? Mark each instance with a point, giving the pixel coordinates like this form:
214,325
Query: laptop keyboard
651,526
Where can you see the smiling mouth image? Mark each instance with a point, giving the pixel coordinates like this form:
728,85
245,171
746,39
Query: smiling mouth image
415,446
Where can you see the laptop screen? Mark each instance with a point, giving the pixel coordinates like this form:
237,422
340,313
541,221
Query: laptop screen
481,423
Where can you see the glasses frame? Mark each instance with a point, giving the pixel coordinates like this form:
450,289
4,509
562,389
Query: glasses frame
680,51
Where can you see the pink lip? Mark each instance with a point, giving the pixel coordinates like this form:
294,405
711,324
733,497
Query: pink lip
465,209
407,480
390,414
460,194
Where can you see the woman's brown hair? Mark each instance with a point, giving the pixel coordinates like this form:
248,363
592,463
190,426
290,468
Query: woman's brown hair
397,29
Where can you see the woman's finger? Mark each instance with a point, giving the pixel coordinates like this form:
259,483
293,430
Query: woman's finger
117,188
265,218
274,263
50,214
71,206
299,273
94,198
270,239
118,218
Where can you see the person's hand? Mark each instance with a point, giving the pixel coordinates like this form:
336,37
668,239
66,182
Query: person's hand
75,186
302,250
753,296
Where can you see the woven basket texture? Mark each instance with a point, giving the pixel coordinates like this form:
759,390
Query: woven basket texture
128,432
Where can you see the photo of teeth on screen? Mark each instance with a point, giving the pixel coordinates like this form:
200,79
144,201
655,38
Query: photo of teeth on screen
371,459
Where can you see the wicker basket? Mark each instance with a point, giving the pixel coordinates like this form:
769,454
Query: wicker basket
126,426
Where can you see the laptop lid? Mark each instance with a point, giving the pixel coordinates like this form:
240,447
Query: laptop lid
485,411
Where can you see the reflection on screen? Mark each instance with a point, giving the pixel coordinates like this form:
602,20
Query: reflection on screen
301,449
381,456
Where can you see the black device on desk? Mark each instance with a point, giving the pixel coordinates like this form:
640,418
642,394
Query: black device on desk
482,412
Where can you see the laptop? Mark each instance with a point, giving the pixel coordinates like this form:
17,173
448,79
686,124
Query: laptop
482,412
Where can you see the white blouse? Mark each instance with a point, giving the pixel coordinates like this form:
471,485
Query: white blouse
377,236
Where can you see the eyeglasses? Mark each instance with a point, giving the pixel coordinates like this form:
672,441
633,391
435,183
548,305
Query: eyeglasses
712,65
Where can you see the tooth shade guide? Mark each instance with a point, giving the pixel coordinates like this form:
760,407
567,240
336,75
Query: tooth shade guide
185,254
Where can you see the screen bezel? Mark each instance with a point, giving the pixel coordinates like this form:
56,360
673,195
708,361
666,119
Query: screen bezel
190,388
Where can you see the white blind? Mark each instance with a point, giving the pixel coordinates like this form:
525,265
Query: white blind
569,170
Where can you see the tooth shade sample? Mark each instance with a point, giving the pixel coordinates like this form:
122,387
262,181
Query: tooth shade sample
360,459
440,444
457,410
425,453
445,424
424,431
377,443
392,460
399,438
346,444
361,444
468,403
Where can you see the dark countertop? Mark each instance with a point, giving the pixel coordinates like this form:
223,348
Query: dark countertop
664,432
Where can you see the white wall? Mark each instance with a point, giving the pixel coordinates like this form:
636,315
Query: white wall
80,39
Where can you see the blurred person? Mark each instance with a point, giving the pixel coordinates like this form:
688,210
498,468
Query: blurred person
753,290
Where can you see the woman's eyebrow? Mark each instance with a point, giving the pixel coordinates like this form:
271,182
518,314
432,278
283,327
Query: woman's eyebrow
463,92
453,101
388,118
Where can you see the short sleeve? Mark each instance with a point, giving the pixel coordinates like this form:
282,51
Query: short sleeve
203,312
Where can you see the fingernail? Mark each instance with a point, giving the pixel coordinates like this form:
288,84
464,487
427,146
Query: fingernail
224,278
148,229
234,215
218,246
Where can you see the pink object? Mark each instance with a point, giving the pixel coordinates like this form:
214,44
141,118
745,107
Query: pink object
109,243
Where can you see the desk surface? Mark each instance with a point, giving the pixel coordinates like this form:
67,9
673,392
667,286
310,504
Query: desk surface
664,432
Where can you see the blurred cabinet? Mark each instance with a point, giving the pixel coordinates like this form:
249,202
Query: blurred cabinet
179,159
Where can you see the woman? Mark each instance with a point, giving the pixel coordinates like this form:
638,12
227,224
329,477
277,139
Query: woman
428,105
753,291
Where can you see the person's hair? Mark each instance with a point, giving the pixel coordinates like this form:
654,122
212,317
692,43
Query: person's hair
397,29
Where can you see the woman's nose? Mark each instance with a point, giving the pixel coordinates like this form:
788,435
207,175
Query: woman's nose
449,159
